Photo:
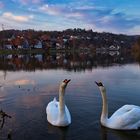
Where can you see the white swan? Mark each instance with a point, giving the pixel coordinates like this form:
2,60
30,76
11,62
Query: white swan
57,112
125,118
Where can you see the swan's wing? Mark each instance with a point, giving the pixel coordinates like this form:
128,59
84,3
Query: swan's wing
127,117
123,109
52,111
68,114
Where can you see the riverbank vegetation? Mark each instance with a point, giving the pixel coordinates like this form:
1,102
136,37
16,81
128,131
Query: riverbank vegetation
136,50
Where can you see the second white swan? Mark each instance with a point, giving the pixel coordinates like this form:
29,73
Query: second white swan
125,118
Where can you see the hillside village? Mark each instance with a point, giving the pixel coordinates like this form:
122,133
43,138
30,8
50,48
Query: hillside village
77,39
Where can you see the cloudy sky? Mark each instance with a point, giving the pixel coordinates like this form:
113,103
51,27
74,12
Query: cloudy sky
116,16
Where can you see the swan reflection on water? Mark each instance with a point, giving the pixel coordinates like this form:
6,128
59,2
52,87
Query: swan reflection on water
110,134
106,134
60,132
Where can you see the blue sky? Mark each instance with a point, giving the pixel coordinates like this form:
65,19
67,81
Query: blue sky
116,16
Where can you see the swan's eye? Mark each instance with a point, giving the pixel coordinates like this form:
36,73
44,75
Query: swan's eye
100,84
66,81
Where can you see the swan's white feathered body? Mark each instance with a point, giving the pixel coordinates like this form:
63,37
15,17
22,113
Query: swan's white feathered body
57,112
125,118
55,117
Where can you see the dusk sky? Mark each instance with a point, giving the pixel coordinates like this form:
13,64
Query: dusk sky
116,16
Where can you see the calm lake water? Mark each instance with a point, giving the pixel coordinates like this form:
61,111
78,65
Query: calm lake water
29,83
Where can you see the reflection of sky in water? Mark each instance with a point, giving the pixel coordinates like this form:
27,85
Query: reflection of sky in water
24,95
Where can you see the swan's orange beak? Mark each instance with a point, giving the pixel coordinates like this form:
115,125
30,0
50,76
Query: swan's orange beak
67,81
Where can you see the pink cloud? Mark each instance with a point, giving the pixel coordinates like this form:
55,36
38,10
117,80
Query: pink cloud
24,82
50,9
25,2
57,10
11,16
74,15
1,4
36,1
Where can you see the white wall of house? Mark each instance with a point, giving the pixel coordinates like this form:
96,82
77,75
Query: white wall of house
112,47
38,45
8,46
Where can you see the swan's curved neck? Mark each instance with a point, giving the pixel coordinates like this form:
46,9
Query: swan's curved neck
61,99
104,114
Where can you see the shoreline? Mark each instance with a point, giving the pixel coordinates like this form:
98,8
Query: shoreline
38,51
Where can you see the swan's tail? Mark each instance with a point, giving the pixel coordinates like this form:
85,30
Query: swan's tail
54,100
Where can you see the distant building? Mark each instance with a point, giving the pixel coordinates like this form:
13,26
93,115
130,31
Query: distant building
8,46
38,45
114,48
25,44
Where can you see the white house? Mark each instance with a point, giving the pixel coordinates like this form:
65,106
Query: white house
38,45
114,48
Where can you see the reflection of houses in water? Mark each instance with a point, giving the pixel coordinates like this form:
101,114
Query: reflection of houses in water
9,56
39,57
69,61
101,50
114,50
111,50
112,53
